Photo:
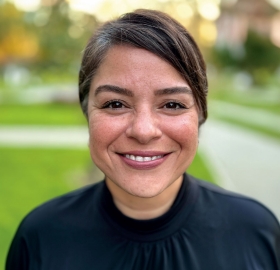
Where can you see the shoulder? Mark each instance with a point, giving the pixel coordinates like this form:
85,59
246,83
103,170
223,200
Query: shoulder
51,224
241,228
235,208
65,208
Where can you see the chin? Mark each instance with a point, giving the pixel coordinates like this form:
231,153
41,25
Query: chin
146,187
148,193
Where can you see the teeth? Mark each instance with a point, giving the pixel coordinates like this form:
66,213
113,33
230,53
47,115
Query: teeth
138,158
142,159
130,157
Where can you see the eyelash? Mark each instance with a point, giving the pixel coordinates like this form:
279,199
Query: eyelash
110,103
176,103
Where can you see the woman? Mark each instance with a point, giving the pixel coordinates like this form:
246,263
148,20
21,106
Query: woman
143,89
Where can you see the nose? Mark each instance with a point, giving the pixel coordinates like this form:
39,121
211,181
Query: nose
144,127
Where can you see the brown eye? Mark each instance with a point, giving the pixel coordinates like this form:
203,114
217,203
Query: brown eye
173,106
113,104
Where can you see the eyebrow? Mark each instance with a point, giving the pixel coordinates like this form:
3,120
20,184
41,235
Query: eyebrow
173,90
114,89
129,93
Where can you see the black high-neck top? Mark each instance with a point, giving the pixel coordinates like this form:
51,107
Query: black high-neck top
207,228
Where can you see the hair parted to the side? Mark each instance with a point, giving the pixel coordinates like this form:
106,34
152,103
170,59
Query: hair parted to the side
153,31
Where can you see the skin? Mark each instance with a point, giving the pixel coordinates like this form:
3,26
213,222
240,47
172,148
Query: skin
140,105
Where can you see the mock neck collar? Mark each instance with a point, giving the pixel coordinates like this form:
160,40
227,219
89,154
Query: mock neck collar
156,228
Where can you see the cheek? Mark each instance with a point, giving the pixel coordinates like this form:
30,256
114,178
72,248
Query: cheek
184,131
103,131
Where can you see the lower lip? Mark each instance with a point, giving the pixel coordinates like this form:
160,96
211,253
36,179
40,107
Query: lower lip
145,165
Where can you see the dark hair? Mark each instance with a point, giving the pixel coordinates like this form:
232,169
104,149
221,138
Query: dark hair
153,31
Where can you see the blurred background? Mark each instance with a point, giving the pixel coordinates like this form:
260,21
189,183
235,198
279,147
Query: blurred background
43,137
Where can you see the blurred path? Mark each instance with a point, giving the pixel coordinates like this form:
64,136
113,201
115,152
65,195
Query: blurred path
243,161
44,136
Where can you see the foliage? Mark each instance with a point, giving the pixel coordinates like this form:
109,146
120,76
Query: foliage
14,36
59,49
258,56
48,39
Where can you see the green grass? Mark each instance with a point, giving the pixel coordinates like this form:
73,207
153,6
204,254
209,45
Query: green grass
43,114
31,176
250,99
250,126
266,97
200,170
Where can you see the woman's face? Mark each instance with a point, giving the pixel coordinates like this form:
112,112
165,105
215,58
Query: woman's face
143,121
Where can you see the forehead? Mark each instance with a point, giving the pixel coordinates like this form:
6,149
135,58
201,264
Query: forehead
128,66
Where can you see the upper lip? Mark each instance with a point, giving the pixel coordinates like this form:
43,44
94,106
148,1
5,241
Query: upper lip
144,153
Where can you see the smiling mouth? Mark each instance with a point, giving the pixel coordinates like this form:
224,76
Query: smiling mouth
143,159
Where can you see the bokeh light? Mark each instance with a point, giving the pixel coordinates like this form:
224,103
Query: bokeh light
208,33
27,5
275,30
209,10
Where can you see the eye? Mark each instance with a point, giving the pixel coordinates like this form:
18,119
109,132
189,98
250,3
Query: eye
113,104
174,106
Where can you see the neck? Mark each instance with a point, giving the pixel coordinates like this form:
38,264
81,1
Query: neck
144,208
